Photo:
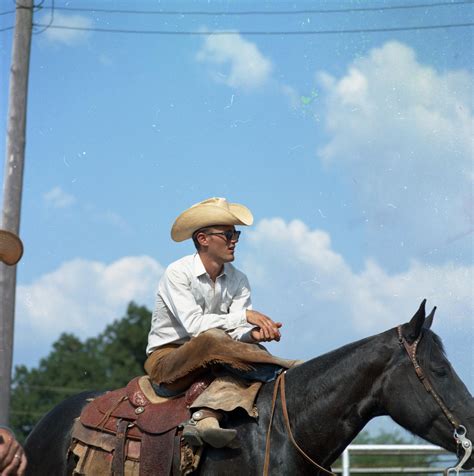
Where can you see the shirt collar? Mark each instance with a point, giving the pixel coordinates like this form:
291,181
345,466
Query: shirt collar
199,268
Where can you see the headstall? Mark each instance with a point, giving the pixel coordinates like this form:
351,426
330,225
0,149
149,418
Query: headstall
460,431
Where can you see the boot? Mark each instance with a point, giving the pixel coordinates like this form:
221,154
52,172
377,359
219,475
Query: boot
203,427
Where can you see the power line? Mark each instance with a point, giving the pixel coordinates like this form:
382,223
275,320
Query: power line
7,28
50,20
270,12
260,33
254,12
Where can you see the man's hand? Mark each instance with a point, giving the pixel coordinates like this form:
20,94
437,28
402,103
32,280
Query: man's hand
12,456
267,330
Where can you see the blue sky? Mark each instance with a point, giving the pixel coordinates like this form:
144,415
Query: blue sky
353,150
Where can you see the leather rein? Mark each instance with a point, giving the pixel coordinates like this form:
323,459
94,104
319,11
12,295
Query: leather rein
280,386
459,430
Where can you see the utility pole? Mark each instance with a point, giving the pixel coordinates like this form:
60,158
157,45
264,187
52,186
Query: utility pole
13,181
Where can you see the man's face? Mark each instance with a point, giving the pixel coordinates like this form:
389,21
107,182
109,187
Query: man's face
219,246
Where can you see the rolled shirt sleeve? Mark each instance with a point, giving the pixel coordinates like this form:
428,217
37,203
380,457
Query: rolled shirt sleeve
241,303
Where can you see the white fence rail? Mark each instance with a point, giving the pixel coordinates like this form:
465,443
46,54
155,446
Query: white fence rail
392,450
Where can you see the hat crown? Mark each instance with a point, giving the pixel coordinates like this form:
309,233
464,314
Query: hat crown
217,201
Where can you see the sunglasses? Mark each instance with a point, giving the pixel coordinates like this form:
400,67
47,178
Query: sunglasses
230,235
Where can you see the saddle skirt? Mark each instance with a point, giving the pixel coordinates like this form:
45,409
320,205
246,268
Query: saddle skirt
133,432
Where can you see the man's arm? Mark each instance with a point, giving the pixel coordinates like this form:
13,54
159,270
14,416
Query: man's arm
242,302
259,327
12,456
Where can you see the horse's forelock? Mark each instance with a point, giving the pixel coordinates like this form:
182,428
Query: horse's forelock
432,344
439,343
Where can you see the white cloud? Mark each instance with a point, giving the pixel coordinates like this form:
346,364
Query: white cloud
83,296
58,198
245,66
401,133
65,36
298,278
382,296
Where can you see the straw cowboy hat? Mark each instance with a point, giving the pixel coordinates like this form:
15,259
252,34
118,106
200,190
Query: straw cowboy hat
213,211
11,248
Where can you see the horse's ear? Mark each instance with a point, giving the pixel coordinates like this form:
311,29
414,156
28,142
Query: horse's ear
416,324
429,320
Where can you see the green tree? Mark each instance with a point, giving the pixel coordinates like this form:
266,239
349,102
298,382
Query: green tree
104,362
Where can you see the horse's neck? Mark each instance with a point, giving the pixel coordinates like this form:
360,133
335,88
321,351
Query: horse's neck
333,396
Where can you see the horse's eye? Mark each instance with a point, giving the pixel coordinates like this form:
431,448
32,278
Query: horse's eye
439,371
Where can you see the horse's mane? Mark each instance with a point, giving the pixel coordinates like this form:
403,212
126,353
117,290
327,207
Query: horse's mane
431,341
346,349
337,357
339,364
336,354
435,338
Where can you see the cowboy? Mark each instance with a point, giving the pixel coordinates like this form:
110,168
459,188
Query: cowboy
203,317
12,457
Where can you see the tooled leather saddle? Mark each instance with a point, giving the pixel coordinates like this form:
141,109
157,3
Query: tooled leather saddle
131,431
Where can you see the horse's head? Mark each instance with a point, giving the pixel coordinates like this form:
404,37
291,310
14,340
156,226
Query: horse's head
424,394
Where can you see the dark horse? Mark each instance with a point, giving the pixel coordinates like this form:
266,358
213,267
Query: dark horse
329,399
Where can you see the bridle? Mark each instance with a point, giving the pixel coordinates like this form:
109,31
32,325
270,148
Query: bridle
460,431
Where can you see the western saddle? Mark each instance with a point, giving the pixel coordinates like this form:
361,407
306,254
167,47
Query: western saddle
134,432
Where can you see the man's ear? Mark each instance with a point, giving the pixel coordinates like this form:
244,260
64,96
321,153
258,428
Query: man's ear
202,239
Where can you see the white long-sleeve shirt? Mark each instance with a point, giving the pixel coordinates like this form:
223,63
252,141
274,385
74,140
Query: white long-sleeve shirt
188,302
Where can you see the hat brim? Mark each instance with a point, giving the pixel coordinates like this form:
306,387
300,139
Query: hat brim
206,215
11,248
